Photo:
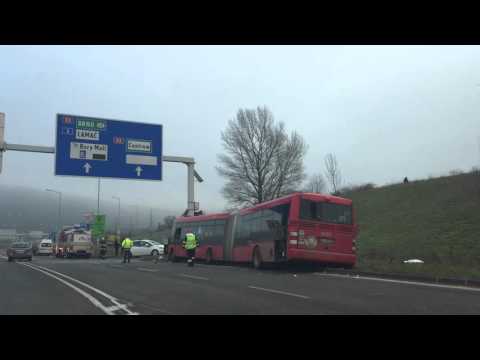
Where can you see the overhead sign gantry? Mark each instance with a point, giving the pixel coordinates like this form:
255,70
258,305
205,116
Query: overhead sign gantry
96,147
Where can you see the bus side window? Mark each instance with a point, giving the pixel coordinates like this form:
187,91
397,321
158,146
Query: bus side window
178,231
238,230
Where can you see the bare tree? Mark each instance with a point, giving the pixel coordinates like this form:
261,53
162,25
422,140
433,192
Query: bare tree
262,162
316,184
332,173
168,221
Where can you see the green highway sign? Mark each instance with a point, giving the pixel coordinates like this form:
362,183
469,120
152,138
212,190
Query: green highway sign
98,227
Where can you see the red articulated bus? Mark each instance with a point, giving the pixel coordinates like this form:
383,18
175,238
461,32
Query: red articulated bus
303,227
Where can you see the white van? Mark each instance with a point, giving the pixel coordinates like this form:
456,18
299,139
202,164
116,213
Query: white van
45,247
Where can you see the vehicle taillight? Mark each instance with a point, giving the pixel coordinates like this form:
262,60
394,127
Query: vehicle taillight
293,238
301,237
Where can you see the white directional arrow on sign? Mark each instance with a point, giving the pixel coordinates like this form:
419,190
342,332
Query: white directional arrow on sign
139,170
87,167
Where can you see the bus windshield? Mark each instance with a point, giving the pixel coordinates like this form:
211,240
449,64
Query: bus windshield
326,212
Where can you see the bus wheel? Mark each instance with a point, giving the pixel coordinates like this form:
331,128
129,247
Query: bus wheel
208,257
171,256
257,259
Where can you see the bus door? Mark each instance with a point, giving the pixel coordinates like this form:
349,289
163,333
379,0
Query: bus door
281,215
176,238
228,238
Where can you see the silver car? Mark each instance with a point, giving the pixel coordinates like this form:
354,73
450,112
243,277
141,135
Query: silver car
20,250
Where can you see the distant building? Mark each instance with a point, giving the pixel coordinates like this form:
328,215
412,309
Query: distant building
36,235
8,235
34,238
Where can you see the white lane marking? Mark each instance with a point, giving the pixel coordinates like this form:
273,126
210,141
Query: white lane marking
116,266
279,292
118,307
89,297
109,297
194,277
145,269
405,282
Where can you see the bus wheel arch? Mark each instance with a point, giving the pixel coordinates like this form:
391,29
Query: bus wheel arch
257,261
209,256
171,255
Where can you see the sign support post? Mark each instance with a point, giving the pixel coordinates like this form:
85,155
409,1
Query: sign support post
2,135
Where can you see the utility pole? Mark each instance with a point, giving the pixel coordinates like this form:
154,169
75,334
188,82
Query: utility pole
478,140
98,197
59,208
136,217
2,135
118,216
151,222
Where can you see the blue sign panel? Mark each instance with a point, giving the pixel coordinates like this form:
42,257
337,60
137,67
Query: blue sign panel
95,147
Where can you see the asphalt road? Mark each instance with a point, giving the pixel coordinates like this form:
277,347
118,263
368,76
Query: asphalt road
95,286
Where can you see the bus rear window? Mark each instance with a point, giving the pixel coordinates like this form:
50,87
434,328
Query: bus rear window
325,212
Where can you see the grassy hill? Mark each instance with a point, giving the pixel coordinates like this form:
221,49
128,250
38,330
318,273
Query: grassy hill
435,220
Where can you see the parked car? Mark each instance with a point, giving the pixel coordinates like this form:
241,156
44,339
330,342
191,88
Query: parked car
45,247
146,248
20,250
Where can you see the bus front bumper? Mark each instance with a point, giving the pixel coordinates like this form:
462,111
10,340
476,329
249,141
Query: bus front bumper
321,256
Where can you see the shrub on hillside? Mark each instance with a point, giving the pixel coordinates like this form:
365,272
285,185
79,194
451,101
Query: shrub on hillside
357,188
455,172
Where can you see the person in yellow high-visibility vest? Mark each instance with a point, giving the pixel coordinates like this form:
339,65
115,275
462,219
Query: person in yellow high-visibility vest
126,246
190,244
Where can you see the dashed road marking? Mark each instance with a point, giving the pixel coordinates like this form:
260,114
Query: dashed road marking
145,269
279,292
194,277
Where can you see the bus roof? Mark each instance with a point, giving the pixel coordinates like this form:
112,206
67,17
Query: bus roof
268,204
287,198
217,216
332,198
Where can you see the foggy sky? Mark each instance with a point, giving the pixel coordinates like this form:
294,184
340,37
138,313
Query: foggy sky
386,111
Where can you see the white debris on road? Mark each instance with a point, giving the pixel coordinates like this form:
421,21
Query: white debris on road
413,261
